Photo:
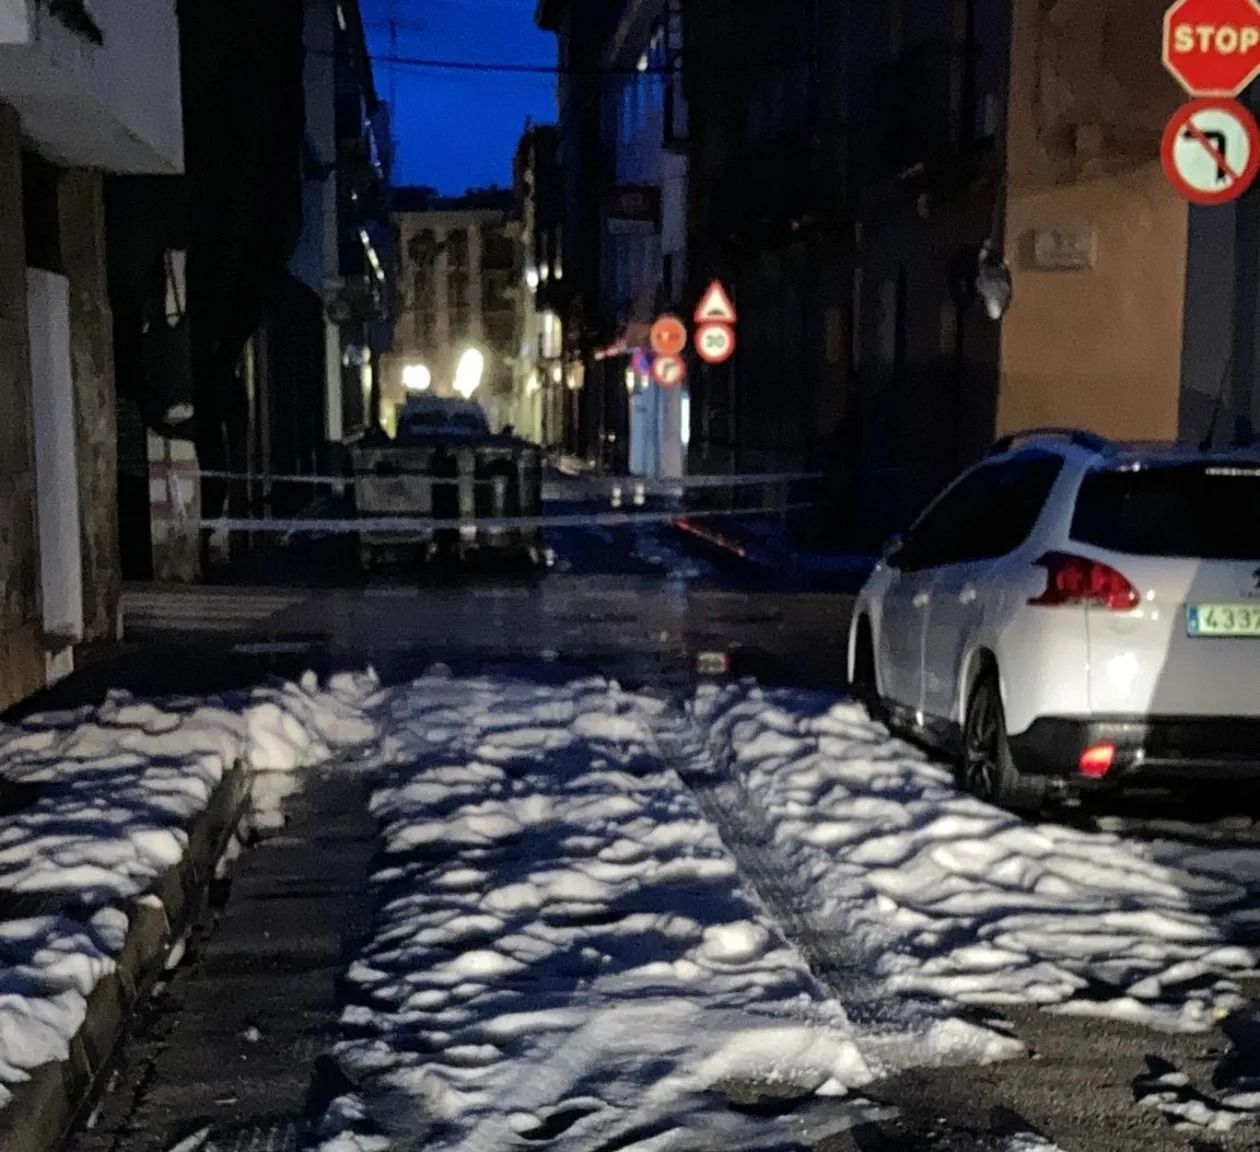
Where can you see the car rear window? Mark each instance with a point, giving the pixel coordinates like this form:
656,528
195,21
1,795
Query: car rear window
1200,510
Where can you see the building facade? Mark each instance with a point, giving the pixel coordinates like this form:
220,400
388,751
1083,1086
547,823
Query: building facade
545,389
78,99
344,255
456,272
625,135
847,188
250,296
582,29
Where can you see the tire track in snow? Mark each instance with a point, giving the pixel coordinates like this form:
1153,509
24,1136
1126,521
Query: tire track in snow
888,1027
891,1026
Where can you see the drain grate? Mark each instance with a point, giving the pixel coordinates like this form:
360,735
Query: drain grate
273,1136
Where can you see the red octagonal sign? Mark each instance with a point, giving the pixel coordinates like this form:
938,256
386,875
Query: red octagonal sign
1212,47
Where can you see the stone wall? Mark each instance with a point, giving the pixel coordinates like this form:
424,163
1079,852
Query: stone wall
81,208
22,667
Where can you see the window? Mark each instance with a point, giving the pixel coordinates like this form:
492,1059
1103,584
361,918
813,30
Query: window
676,117
855,323
1193,510
896,28
892,323
987,514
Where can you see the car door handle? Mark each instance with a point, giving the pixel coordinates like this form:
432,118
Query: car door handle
967,595
921,600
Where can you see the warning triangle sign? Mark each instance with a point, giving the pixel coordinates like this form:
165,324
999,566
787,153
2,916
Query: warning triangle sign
715,306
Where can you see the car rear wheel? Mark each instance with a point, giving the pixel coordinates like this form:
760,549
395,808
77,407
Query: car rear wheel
865,682
988,772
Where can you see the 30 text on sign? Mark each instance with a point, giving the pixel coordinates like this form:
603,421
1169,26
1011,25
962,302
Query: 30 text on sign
1212,47
715,343
1211,151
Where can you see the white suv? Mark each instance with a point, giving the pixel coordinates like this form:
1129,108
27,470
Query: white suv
1075,614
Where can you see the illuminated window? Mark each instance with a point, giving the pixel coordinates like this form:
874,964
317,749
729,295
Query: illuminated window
551,337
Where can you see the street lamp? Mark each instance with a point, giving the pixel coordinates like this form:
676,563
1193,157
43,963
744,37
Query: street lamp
417,378
468,374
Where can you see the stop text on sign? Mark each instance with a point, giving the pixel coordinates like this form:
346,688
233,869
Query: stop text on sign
1220,40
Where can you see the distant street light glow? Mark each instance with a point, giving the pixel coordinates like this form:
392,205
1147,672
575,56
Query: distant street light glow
468,374
417,378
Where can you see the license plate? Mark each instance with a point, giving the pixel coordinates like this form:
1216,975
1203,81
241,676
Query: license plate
1224,619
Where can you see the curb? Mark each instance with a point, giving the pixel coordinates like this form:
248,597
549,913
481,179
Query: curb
44,1109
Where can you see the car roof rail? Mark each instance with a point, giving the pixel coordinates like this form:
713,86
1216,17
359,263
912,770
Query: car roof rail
1090,441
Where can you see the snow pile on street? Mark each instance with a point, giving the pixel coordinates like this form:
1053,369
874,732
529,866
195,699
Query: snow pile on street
939,894
50,966
94,807
564,952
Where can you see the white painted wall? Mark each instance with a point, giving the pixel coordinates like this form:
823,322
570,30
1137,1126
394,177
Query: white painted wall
15,21
115,106
333,383
56,459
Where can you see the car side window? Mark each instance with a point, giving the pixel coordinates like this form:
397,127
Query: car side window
940,532
1020,496
987,514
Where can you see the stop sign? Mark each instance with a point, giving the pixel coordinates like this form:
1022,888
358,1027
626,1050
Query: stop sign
1212,47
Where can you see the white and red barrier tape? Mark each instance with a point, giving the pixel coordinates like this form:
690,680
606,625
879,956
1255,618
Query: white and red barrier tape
585,485
415,525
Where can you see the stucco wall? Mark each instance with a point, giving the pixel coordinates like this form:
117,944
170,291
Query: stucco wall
21,647
82,212
15,21
1097,346
116,105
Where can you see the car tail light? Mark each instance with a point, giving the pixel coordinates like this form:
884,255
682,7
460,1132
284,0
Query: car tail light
1076,580
1097,760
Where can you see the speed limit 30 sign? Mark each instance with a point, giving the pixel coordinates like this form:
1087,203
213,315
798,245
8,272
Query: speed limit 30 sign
715,342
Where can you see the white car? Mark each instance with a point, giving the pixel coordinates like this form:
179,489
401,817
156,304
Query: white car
1075,614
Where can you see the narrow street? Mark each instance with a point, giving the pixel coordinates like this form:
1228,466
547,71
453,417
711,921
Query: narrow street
270,1034
629,576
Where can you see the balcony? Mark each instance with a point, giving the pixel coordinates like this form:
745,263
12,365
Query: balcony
357,299
98,89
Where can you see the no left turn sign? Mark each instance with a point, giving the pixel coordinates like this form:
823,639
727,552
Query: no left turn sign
1211,151
669,371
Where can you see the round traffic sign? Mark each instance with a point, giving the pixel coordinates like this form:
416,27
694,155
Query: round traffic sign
1212,47
669,371
669,336
1211,151
715,343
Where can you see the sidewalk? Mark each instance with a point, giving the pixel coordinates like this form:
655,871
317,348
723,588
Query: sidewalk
113,821
224,1055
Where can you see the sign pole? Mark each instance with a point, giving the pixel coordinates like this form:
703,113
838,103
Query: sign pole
1246,301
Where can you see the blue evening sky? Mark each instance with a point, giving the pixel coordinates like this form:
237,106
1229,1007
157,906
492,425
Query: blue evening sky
457,130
